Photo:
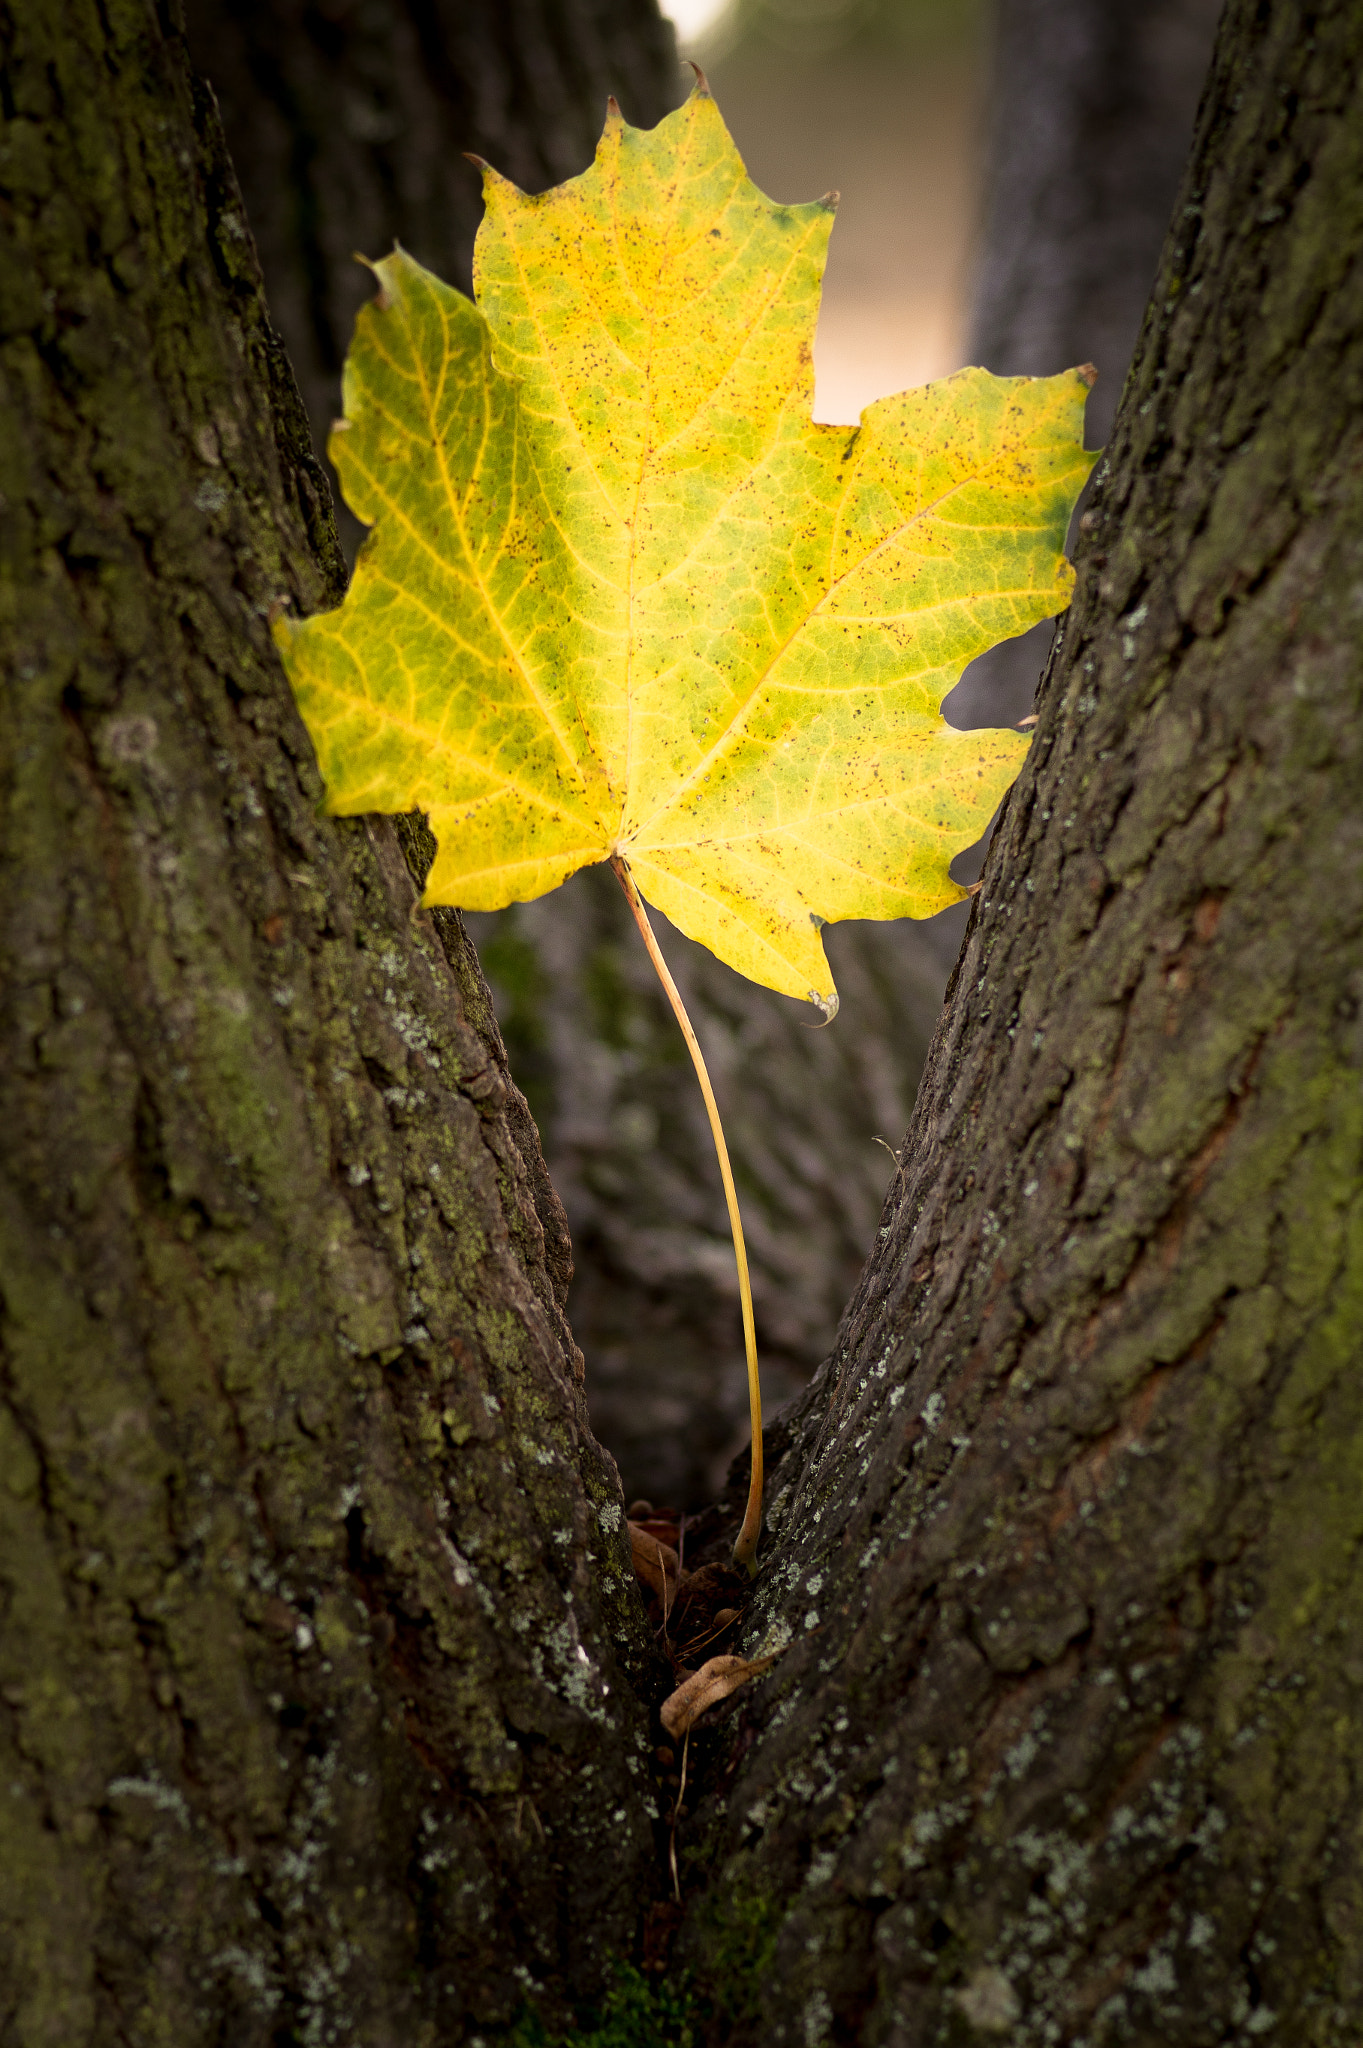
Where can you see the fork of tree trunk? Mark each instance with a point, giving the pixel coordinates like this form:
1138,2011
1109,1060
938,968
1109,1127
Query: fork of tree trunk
329,1704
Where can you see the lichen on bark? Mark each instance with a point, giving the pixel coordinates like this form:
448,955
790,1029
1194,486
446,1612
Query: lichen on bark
317,1615
1067,1535
312,1574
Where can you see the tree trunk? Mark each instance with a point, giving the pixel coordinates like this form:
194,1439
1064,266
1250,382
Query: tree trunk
1063,1747
315,1724
323,1691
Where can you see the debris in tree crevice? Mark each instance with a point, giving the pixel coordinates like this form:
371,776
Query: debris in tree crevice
693,1612
700,1690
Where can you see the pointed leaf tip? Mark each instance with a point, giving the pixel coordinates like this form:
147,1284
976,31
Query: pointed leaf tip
701,88
383,298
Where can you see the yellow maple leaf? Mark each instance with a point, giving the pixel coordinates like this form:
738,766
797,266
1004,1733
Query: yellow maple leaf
625,600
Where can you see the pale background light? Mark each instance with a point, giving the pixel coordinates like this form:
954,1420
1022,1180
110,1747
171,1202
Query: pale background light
694,20
892,126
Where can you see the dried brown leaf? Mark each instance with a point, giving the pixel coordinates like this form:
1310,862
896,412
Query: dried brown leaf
656,1565
707,1687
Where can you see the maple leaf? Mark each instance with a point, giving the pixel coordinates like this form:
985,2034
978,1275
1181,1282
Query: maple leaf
624,599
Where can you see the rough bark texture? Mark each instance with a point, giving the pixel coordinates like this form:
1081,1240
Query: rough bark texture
312,1721
1064,1747
311,1585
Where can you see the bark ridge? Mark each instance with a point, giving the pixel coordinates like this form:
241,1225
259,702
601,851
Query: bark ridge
314,1721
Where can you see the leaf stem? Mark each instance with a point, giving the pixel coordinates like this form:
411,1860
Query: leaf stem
745,1544
676,1816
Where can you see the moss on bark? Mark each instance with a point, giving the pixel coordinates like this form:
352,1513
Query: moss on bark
1062,1748
314,1724
322,1686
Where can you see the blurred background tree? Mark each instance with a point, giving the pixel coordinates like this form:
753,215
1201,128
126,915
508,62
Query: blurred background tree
1006,176
1006,173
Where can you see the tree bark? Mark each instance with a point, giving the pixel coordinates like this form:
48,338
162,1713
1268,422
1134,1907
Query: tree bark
1063,1744
311,1574
314,1716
